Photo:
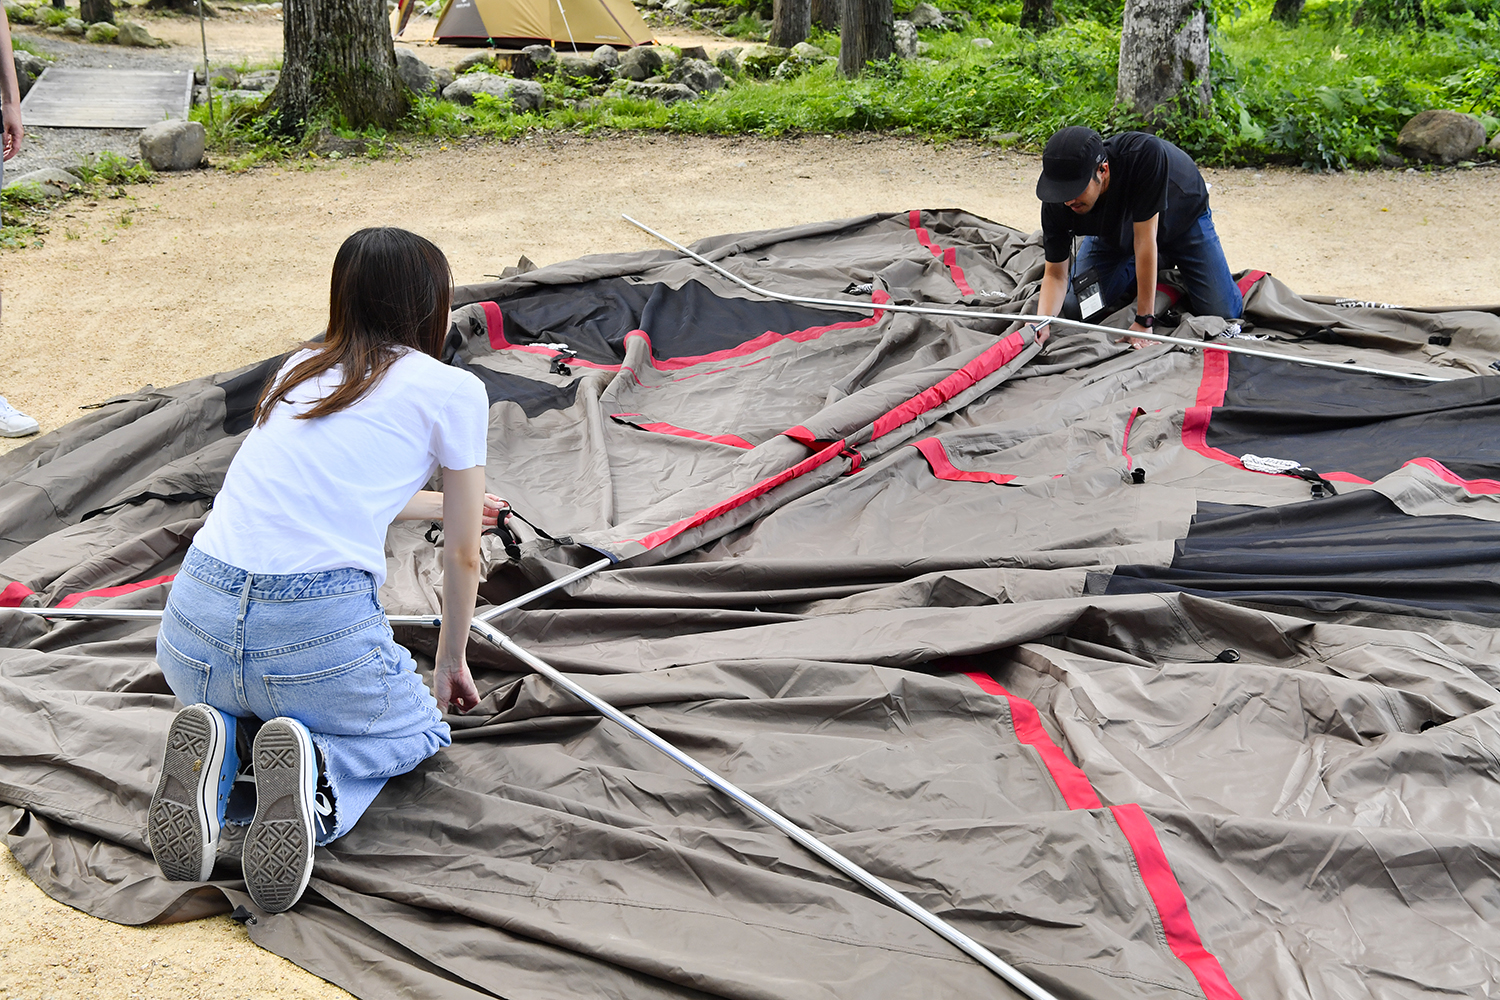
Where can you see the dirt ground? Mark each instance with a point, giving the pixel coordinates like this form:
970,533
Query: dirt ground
203,272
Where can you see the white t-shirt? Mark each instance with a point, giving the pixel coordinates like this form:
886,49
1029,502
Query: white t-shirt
303,496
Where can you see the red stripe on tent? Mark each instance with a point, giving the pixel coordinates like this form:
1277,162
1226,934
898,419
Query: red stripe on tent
761,488
985,365
124,588
673,429
937,459
1172,294
13,594
949,257
1156,872
1151,861
495,326
1248,281
1480,486
1129,423
1077,791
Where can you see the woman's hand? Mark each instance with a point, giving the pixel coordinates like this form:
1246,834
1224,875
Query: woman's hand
493,507
453,686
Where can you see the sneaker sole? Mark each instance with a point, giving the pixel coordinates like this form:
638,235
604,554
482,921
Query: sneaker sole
183,824
278,849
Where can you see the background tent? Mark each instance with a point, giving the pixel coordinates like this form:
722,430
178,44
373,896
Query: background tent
1189,733
575,24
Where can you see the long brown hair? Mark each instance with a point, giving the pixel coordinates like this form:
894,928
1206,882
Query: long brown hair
390,289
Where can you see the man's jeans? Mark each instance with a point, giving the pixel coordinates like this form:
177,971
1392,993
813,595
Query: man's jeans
312,646
1196,254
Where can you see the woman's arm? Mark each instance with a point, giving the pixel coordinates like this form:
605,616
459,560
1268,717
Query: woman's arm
463,507
427,505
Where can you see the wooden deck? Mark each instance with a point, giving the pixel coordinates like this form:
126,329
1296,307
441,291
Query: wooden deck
107,98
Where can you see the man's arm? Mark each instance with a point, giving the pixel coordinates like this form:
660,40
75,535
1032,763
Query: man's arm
10,92
1054,290
1145,274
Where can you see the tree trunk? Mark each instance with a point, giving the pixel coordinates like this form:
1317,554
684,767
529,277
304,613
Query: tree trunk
1164,58
825,14
1288,12
1038,15
867,30
338,65
94,11
791,22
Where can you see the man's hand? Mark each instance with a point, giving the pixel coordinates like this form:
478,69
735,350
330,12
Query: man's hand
453,686
1138,342
1041,331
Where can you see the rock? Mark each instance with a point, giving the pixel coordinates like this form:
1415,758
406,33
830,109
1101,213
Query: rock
640,62
523,95
1444,136
669,57
136,35
334,146
53,181
174,145
808,52
415,73
762,60
1494,144
101,33
728,60
224,77
925,15
981,43
441,77
606,56
1387,158
667,93
73,26
28,68
682,8
906,39
700,75
571,64
468,62
543,58
695,52
263,81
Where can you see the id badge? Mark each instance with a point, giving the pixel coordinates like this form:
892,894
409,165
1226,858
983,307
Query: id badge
1090,298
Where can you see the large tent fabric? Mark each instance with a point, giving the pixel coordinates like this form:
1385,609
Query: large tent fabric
576,24
1017,627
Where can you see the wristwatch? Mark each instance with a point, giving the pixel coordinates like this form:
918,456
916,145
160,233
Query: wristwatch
1148,320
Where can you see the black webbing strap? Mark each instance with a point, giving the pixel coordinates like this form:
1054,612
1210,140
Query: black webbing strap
506,533
1320,486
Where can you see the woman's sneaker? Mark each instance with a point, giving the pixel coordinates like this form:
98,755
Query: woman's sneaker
278,852
14,423
187,810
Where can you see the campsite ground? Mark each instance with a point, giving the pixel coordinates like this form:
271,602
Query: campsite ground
204,272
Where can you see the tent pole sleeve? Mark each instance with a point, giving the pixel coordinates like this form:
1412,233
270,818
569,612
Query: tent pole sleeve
811,844
1021,318
428,621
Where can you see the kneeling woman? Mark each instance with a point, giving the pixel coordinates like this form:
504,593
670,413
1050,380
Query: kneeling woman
274,614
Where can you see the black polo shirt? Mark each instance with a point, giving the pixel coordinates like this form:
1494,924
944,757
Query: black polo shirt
1147,176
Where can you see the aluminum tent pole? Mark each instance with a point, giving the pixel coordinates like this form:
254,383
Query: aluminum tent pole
807,841
1021,318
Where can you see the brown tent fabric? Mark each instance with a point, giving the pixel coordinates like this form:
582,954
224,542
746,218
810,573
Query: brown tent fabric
1185,730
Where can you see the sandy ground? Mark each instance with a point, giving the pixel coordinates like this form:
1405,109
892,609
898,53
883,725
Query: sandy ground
204,272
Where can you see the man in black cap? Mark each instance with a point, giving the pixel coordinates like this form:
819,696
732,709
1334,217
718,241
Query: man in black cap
1138,202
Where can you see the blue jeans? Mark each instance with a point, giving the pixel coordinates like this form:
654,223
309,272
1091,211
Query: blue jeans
1196,254
312,646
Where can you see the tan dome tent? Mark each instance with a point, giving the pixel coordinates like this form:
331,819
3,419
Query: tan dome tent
571,24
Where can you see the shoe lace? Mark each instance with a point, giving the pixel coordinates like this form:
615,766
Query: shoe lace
6,410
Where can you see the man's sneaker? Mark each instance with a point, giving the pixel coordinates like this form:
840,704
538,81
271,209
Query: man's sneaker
14,423
278,852
187,810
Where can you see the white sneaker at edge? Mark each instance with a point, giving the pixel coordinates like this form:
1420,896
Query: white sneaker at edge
14,423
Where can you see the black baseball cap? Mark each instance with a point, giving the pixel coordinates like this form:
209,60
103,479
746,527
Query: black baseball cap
1068,163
